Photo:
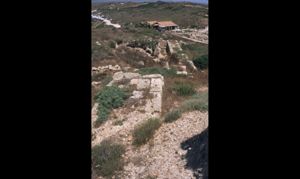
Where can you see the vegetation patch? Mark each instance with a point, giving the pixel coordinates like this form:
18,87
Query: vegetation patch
144,44
194,50
109,97
197,102
112,44
158,70
145,131
183,89
201,62
107,158
172,115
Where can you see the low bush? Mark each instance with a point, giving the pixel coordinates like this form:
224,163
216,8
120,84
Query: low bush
157,70
197,102
201,62
183,89
144,44
172,116
107,158
112,44
119,41
145,131
109,97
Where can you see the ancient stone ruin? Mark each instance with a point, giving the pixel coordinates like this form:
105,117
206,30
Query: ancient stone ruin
144,103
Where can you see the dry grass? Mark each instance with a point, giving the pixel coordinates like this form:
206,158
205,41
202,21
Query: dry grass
145,131
107,158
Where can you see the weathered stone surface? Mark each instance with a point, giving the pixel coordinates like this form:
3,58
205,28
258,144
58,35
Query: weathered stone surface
137,94
173,46
191,64
134,81
94,112
156,85
130,75
153,76
121,86
96,83
141,63
157,101
143,84
118,76
103,69
181,73
160,51
182,68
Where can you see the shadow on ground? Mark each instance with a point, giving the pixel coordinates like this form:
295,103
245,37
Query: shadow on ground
197,154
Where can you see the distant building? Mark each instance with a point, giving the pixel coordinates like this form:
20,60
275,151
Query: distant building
162,25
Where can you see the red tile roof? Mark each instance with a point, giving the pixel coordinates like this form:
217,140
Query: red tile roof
162,23
166,23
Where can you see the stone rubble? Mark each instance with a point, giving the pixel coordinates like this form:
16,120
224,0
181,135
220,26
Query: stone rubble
104,69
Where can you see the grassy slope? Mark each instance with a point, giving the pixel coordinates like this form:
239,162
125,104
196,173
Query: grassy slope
184,14
130,14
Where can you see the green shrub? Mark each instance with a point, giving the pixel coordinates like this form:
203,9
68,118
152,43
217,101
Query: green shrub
172,116
112,44
157,70
119,41
201,62
109,97
145,131
183,89
99,25
107,158
197,102
143,44
102,115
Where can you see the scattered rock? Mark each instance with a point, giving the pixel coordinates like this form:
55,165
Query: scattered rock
137,94
121,86
96,83
173,47
182,68
141,63
130,75
191,64
120,76
98,43
181,73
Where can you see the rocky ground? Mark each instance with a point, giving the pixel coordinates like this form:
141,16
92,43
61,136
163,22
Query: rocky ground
172,151
163,157
196,35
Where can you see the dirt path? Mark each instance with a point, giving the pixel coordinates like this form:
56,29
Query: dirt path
163,157
180,36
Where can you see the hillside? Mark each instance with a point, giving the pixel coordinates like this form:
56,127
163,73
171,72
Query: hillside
149,90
